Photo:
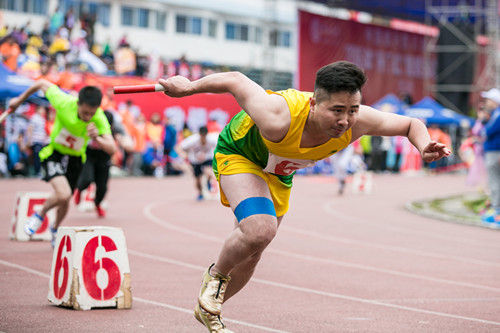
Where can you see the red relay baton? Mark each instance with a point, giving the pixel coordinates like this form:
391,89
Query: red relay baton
142,88
4,115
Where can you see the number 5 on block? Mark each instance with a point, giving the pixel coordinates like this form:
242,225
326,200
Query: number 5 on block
90,269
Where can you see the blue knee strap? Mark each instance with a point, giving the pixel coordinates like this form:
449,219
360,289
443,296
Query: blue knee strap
253,206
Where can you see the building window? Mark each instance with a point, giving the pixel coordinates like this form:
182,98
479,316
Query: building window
280,38
236,31
39,7
127,16
25,6
143,21
100,10
181,24
137,17
13,5
193,25
161,20
230,31
258,35
212,28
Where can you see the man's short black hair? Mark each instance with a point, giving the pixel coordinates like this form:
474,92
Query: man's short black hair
90,95
338,76
203,130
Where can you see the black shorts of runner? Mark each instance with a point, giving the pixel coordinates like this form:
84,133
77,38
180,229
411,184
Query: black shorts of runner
58,164
197,168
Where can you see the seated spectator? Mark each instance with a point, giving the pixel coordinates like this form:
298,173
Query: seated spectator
125,60
10,51
66,79
17,158
4,31
48,72
152,160
129,111
169,142
138,133
155,130
4,172
37,136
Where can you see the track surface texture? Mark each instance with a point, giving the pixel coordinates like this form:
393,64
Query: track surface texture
351,263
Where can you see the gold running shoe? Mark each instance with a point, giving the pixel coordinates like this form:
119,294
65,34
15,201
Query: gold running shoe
212,292
213,323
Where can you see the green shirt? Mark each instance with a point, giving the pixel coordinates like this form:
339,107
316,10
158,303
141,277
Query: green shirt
69,135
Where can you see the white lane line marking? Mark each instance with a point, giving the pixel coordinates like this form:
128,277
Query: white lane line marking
374,302
321,293
147,212
383,270
23,268
164,305
276,284
225,319
329,208
385,247
439,300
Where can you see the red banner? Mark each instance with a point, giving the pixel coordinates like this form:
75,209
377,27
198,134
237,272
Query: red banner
393,60
194,110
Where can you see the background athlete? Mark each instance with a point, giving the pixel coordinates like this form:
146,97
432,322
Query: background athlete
78,119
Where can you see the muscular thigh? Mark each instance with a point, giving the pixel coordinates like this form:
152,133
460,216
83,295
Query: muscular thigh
244,179
239,187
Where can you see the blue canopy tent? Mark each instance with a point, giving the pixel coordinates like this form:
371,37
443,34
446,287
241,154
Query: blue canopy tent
13,85
433,113
430,111
389,103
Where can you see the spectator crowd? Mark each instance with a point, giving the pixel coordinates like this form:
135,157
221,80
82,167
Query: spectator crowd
65,47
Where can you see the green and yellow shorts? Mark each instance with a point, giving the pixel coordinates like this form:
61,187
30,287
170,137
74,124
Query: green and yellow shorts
236,164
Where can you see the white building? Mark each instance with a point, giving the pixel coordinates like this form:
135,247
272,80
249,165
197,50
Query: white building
252,34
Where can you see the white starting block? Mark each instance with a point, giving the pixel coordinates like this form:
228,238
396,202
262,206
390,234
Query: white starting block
87,200
90,269
26,204
362,182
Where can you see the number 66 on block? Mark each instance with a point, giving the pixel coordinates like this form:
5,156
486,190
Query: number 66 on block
90,269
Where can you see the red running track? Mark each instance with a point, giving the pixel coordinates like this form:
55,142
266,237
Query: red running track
352,263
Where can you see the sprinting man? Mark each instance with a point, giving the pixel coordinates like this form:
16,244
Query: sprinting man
97,166
260,149
199,149
78,119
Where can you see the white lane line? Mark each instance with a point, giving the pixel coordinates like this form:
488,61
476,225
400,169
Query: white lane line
275,284
166,260
147,212
227,320
349,241
143,300
321,293
23,268
329,208
374,302
382,270
439,300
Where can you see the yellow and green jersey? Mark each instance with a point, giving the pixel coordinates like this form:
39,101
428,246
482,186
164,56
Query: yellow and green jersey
242,137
